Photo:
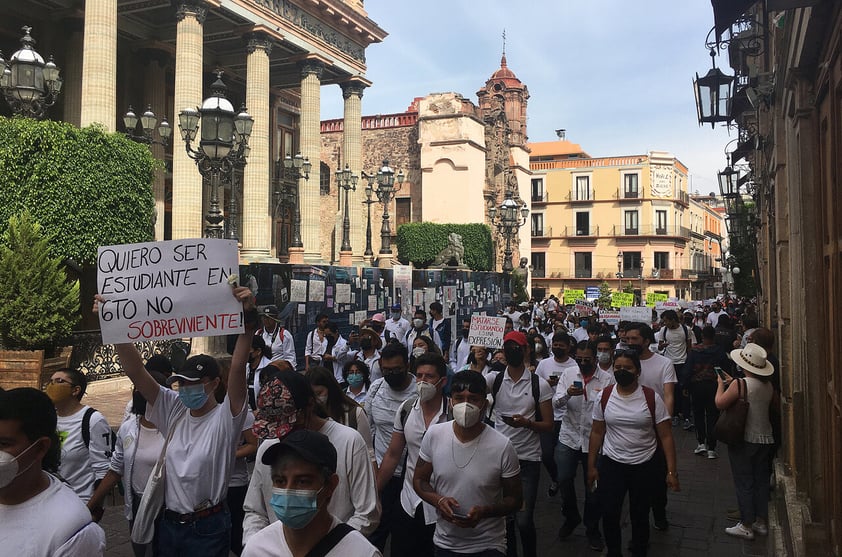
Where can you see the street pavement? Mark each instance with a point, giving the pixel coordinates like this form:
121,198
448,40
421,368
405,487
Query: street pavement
697,515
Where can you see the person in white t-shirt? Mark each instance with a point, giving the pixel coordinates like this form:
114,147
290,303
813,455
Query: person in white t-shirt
398,326
469,473
39,515
657,373
412,531
304,481
674,342
277,337
239,483
336,354
205,435
316,342
605,354
716,312
461,348
84,433
628,421
286,403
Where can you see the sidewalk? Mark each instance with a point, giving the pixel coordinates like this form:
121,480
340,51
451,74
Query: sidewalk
697,515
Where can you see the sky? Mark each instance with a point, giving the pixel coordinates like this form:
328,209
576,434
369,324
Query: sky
616,74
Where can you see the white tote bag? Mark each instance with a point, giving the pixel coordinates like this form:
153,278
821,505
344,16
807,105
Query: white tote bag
143,529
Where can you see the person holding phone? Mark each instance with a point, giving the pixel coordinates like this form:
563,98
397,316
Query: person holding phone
700,375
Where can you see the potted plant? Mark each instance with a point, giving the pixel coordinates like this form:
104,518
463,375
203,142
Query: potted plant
39,306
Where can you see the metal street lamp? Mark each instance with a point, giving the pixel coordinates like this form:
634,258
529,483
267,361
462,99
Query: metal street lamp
642,266
29,84
385,190
295,168
508,218
713,95
223,142
620,271
369,200
147,127
346,181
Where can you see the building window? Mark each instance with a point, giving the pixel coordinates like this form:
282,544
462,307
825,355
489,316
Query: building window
583,223
631,264
660,222
631,221
583,264
630,186
324,179
583,188
662,260
537,224
403,211
538,189
539,264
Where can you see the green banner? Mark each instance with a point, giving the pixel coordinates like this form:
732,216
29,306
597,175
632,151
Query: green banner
654,297
622,299
573,296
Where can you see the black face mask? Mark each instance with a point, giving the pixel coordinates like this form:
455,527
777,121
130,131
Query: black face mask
514,356
560,353
465,332
496,365
586,369
138,403
365,343
634,348
395,380
624,377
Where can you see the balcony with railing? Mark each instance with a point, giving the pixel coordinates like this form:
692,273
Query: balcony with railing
673,231
629,274
577,232
540,197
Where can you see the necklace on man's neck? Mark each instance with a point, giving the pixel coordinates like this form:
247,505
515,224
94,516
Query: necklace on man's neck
475,441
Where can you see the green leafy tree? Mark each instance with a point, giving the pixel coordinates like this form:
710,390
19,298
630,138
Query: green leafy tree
420,242
86,187
628,288
604,300
38,305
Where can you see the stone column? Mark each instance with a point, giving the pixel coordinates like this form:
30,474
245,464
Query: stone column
352,92
71,72
311,75
187,220
99,64
155,95
256,238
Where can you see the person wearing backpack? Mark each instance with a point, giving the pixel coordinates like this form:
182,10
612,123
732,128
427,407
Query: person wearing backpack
84,434
628,421
521,411
700,377
414,524
674,343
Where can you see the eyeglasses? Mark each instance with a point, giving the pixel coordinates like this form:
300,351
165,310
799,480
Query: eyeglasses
60,381
583,360
391,370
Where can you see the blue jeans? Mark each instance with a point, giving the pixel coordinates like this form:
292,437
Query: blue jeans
750,469
208,537
568,460
485,553
530,472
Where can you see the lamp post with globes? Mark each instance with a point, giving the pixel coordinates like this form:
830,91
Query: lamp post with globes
508,218
386,188
369,200
642,267
29,84
347,181
619,271
223,142
147,120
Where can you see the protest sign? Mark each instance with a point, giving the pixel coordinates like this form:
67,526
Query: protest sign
166,290
610,317
317,291
652,297
572,296
297,290
621,299
583,310
343,293
486,331
636,314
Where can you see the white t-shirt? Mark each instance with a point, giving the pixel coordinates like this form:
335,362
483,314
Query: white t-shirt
460,350
282,344
655,371
549,366
516,398
381,404
147,449
713,318
398,329
630,436
354,500
315,348
676,348
201,452
575,428
54,523
471,473
271,542
413,432
240,472
81,466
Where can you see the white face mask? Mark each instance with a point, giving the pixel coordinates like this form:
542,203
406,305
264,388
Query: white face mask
466,414
9,467
426,391
322,399
418,351
603,357
417,323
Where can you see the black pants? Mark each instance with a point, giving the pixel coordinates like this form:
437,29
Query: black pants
705,413
390,503
659,487
682,401
411,537
615,480
236,498
548,443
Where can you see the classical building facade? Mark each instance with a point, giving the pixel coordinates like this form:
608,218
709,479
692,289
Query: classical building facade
458,158
277,56
624,220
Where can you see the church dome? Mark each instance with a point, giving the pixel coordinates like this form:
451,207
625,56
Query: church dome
505,75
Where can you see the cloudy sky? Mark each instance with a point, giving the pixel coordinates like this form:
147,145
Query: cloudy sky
616,74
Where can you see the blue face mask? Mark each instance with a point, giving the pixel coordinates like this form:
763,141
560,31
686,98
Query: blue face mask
295,507
192,396
356,379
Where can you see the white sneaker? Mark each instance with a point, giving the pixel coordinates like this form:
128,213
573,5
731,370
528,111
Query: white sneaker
760,527
701,449
712,455
740,531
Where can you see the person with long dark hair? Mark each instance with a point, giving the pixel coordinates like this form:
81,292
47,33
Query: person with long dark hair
357,376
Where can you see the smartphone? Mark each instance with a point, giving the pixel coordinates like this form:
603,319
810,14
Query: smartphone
719,372
577,384
459,514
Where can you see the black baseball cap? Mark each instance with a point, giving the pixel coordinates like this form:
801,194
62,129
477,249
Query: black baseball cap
311,446
195,368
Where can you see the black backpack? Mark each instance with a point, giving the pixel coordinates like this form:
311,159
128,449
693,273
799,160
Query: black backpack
536,393
86,431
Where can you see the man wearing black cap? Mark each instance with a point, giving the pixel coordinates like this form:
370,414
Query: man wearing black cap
304,479
276,337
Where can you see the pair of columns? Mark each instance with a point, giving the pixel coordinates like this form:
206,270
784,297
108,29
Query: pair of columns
99,71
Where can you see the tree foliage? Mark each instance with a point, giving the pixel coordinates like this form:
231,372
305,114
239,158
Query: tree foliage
420,242
87,188
604,300
38,305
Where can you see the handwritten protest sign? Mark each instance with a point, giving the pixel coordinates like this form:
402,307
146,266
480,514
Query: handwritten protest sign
317,291
652,297
486,331
610,317
297,290
572,296
165,290
621,299
636,314
343,293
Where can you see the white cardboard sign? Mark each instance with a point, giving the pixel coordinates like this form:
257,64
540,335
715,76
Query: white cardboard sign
165,290
486,331
636,314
